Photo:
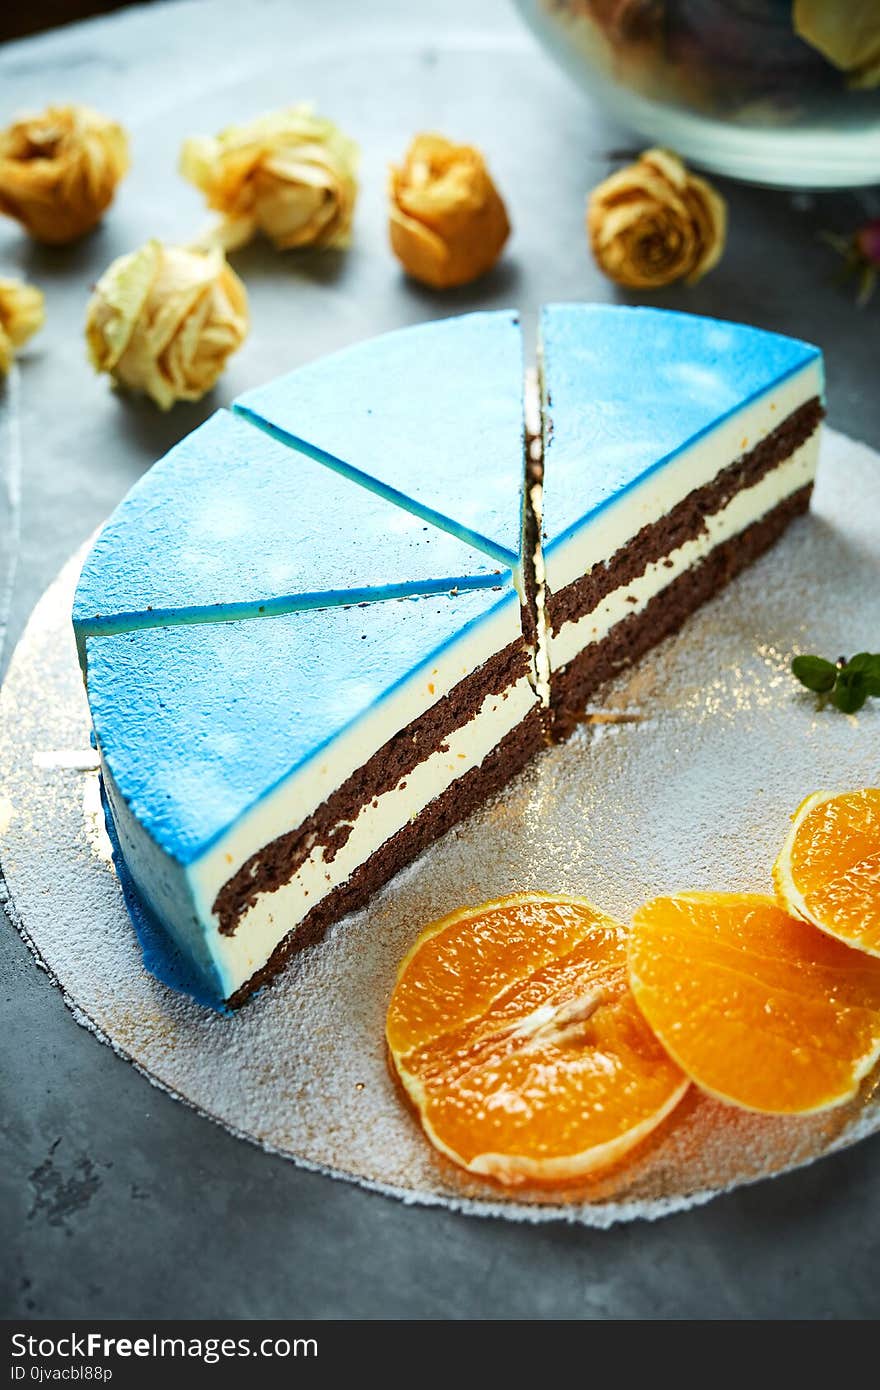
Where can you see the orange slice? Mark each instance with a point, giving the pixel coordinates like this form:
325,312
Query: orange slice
758,1008
514,1033
828,871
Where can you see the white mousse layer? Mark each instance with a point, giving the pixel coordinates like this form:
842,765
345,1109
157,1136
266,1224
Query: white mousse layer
605,532
742,510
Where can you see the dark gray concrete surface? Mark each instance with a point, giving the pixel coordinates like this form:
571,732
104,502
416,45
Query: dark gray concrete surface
116,1201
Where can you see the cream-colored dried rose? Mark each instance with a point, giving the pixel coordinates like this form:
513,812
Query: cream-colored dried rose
655,222
448,222
290,174
22,312
848,35
59,171
164,319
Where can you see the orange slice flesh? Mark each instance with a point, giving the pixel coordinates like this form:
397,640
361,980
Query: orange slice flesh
828,870
514,1033
758,1008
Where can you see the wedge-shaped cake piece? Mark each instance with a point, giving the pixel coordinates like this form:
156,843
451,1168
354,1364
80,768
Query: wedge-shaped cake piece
430,416
676,450
267,775
231,523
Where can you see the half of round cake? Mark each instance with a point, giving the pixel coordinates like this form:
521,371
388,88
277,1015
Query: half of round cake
311,634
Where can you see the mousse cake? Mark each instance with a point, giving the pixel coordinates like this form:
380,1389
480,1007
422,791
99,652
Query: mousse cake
676,449
328,624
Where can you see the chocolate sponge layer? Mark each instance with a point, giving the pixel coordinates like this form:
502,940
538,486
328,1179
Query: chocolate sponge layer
629,639
446,810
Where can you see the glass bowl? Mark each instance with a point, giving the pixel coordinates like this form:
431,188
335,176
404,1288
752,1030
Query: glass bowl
731,84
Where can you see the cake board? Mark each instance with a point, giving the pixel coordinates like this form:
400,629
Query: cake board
682,776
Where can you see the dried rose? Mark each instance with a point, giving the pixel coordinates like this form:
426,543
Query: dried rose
655,222
861,254
290,174
847,35
22,312
59,171
164,319
448,222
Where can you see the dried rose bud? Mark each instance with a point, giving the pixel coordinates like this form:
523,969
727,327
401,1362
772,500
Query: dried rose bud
448,222
59,171
291,175
655,222
22,312
164,319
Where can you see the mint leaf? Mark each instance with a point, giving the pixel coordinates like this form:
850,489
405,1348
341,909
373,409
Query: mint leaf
847,684
867,665
815,673
850,692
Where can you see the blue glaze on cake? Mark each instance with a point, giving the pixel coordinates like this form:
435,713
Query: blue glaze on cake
430,416
196,723
626,389
232,523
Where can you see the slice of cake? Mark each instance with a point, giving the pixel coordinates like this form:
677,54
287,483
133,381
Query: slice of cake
676,450
266,776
